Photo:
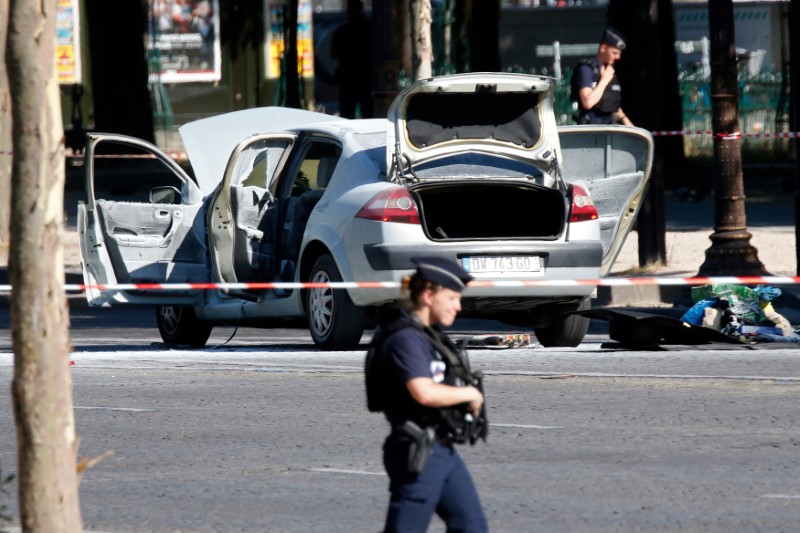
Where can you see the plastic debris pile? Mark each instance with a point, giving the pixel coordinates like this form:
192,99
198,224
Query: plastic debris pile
741,312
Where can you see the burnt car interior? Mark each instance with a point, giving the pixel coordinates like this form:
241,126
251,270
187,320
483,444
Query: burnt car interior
271,204
309,180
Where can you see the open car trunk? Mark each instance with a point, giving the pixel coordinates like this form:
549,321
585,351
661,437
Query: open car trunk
455,211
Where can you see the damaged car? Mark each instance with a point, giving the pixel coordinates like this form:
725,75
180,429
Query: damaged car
470,167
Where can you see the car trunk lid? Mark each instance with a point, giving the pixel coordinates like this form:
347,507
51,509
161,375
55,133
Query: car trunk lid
503,114
615,163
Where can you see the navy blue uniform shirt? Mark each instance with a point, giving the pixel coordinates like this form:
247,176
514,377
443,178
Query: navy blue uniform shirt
405,355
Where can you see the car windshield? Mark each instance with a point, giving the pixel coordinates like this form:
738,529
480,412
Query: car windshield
476,166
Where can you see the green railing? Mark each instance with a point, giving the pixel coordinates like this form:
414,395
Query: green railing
763,108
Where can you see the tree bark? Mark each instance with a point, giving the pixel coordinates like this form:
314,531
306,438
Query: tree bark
386,54
120,96
422,53
5,135
794,78
484,44
290,56
42,384
649,67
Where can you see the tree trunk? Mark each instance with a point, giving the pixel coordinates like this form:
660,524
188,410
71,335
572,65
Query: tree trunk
648,67
484,32
42,384
290,56
422,53
794,91
120,96
5,134
386,54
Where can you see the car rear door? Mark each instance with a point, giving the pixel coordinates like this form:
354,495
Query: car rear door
615,163
141,222
245,211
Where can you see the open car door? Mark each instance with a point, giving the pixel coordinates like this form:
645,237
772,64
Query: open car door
141,222
615,163
243,214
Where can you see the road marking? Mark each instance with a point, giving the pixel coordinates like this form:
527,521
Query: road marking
524,426
779,379
343,471
128,409
782,496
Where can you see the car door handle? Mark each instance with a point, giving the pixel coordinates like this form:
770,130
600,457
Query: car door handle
177,218
161,215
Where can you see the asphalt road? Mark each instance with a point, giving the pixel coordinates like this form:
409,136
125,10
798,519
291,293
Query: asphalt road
265,433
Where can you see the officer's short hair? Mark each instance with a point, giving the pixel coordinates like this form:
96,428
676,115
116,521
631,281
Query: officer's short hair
614,38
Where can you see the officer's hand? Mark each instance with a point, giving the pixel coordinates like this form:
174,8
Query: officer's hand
474,405
606,73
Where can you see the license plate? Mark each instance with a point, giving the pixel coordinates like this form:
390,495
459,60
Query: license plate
503,263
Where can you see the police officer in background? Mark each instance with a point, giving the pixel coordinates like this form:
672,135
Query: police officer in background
427,392
594,84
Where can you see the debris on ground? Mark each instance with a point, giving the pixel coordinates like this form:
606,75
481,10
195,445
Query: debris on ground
740,312
516,340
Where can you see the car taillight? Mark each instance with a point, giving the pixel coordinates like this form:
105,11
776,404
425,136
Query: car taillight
391,205
582,207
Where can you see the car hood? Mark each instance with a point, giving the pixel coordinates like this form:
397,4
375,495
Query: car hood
499,113
210,141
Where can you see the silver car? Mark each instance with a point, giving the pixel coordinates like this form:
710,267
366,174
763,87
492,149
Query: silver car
471,167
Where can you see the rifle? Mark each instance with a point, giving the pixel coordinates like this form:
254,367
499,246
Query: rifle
465,426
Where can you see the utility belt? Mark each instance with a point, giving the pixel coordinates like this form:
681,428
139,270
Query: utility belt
455,427
594,118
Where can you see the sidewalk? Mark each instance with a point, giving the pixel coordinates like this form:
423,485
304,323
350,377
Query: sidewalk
770,221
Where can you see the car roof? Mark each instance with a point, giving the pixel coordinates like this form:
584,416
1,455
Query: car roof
209,142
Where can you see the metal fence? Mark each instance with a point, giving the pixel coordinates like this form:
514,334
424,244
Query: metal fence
763,108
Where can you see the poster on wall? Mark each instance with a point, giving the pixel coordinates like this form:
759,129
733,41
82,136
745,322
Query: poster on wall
68,44
274,43
184,40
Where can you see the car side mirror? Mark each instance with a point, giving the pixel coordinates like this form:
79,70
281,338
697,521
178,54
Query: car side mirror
165,195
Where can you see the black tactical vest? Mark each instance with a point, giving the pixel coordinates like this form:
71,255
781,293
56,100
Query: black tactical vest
609,103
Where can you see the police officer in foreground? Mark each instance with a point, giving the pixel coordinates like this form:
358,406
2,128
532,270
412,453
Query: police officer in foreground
422,382
595,87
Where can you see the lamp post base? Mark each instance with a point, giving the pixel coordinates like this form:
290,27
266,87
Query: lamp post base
731,254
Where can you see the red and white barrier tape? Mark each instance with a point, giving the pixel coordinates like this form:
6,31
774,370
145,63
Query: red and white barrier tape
605,282
179,156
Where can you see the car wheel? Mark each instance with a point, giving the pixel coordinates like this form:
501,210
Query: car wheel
179,325
334,321
565,329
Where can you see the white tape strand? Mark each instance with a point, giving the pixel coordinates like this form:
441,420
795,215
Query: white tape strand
606,282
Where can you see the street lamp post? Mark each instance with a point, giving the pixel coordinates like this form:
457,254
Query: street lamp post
730,252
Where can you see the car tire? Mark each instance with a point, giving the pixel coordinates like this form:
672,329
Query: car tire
566,329
335,322
179,325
